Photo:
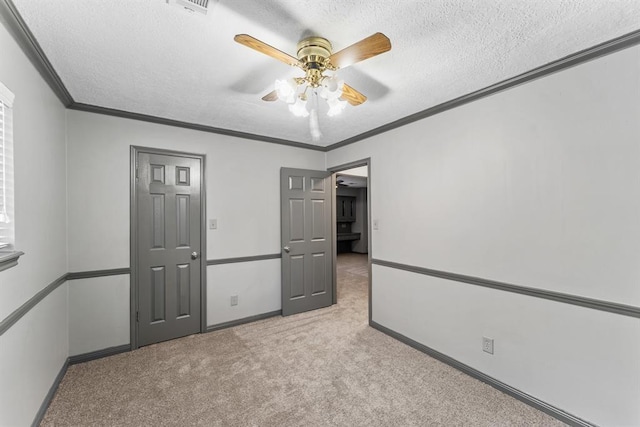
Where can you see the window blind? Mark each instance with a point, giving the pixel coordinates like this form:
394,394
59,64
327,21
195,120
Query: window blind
6,176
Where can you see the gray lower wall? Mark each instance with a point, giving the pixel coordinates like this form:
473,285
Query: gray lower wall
108,279
99,302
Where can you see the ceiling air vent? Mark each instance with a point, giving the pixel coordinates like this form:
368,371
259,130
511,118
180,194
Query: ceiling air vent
199,6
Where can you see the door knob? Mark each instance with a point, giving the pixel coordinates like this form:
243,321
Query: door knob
287,249
194,255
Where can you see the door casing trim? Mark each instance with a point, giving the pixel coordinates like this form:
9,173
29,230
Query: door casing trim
363,162
133,230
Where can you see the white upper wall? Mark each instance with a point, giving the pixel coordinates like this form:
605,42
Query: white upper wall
537,185
40,179
242,185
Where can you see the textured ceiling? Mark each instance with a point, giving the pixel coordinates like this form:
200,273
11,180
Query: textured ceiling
149,57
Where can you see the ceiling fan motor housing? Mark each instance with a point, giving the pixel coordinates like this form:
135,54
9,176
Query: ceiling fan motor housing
313,53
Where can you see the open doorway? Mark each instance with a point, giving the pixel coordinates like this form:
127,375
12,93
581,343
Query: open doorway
352,235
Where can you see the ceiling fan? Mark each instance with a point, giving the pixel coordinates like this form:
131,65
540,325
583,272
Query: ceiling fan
315,58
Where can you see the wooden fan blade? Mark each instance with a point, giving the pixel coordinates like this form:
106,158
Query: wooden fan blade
271,96
364,49
352,96
262,47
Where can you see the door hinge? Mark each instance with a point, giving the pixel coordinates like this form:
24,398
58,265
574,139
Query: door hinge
137,316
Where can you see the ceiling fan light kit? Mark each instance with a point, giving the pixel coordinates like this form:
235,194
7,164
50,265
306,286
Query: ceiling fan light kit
299,107
315,58
313,53
296,92
286,91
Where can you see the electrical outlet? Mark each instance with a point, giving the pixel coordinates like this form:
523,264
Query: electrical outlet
213,224
234,299
487,345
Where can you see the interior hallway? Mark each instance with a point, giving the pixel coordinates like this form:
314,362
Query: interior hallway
323,368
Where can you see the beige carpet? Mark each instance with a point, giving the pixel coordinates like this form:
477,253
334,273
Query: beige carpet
321,368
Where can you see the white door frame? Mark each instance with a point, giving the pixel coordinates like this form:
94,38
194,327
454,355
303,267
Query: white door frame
334,169
133,241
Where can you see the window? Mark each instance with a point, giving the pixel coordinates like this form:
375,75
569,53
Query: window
6,169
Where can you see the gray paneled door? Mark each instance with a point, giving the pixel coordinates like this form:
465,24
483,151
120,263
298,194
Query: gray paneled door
307,272
168,198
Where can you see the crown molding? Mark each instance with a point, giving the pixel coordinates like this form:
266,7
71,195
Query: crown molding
187,125
569,61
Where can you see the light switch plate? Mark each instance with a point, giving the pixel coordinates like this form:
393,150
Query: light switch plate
213,224
375,224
